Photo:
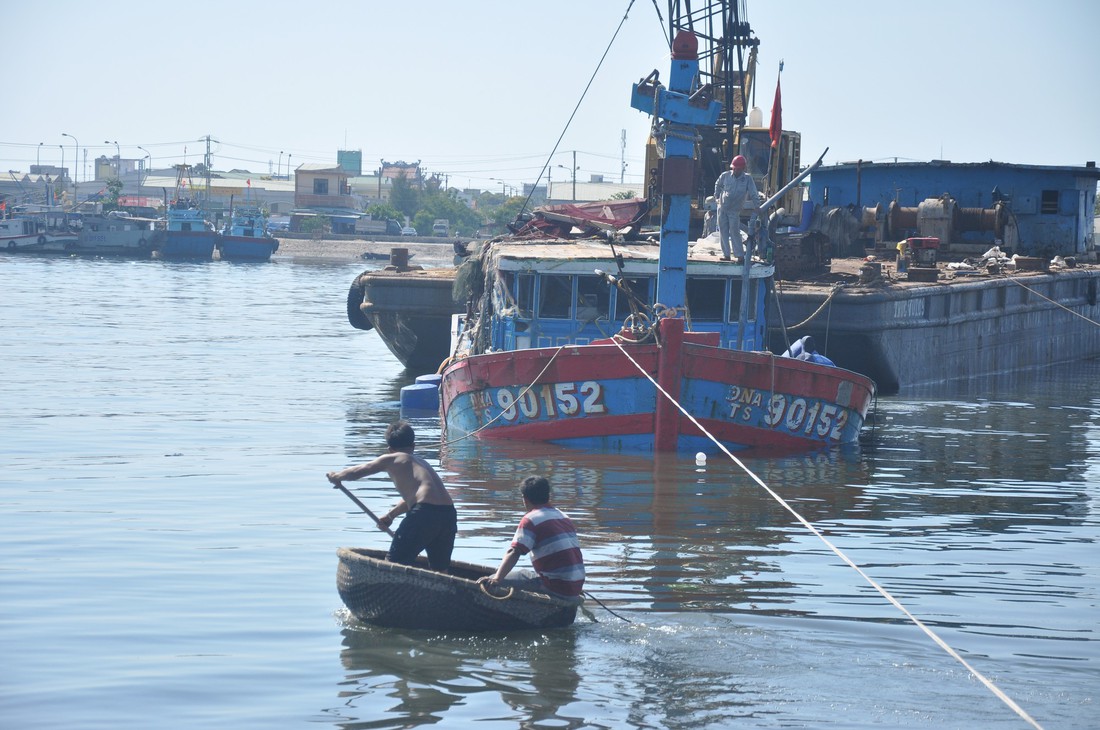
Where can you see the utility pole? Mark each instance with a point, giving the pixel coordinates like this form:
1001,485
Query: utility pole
622,170
148,168
574,176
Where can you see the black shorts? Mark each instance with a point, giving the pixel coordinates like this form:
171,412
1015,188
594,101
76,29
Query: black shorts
430,527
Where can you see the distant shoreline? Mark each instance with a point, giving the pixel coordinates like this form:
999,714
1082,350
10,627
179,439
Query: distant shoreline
429,255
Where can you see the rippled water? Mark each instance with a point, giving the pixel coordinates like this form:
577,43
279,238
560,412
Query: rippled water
169,540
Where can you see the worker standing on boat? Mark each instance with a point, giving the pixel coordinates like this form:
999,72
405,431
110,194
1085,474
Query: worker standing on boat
549,536
431,520
735,192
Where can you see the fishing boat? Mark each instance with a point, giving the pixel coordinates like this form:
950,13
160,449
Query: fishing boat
118,234
687,372
392,595
187,235
32,233
21,234
246,237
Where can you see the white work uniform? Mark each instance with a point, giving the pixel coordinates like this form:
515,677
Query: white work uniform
733,193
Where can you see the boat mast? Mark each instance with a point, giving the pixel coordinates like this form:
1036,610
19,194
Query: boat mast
727,70
207,162
679,111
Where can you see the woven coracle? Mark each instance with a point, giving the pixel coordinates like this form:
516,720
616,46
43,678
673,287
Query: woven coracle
388,594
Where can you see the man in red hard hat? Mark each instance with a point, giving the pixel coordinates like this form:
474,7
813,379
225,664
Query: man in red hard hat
734,191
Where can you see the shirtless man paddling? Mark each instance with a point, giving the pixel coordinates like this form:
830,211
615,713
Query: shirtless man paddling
431,520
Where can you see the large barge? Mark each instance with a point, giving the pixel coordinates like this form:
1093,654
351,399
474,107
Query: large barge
905,334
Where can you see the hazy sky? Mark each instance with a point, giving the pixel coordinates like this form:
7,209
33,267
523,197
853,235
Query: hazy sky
480,90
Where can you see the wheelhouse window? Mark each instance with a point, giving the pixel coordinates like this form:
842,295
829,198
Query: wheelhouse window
593,298
555,296
735,301
519,291
525,294
320,186
706,299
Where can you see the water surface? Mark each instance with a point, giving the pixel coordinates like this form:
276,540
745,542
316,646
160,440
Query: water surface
169,539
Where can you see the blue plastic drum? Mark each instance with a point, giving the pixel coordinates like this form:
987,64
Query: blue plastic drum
420,397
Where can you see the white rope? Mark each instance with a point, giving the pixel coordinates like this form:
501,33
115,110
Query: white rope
840,554
1057,304
518,398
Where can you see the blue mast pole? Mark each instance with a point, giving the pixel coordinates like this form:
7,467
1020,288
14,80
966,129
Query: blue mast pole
679,109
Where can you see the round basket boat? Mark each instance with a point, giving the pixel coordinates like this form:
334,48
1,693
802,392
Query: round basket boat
382,593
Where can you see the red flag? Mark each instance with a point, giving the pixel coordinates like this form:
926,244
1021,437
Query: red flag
249,182
775,130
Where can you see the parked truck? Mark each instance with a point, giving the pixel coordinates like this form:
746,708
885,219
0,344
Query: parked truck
441,227
369,226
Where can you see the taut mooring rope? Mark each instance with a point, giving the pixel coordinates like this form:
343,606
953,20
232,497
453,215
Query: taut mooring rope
840,554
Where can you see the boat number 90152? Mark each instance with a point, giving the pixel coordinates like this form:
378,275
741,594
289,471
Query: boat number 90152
555,400
795,414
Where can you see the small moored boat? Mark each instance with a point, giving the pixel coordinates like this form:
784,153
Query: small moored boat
34,233
382,593
188,235
246,238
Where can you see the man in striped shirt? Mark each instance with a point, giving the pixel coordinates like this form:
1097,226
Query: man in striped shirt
549,536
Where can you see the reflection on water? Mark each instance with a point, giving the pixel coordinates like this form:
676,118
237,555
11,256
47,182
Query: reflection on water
425,675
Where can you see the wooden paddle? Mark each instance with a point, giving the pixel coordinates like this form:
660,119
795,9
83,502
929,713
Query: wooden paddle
365,508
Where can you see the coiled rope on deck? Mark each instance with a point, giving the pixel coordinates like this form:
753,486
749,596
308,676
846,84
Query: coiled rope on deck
839,553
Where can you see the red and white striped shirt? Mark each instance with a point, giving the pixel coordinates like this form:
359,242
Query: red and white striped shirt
550,537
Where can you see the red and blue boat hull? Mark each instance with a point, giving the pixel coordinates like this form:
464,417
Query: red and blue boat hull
595,397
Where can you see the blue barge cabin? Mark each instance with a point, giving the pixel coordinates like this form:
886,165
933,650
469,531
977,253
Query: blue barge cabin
1032,210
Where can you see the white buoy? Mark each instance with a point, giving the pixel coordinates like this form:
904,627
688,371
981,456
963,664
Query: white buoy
700,459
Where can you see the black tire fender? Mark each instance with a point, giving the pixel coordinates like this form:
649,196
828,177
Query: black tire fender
356,317
41,240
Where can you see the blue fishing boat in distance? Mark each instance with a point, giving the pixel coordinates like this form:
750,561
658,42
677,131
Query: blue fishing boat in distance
246,238
187,235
